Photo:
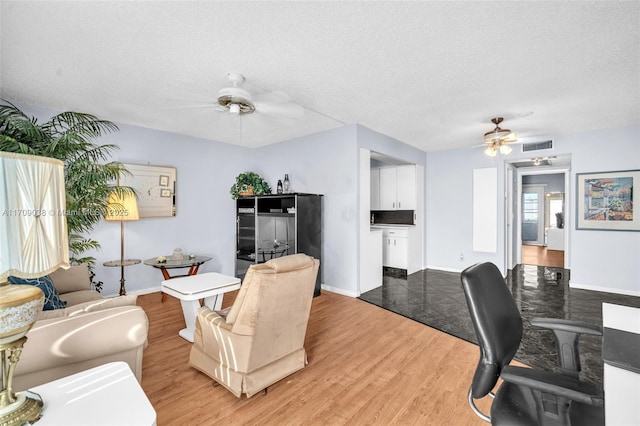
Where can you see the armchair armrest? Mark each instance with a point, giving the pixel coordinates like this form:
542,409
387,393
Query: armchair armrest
556,384
62,341
567,334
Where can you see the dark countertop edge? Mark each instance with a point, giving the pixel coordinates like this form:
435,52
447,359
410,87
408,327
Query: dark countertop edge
289,194
621,349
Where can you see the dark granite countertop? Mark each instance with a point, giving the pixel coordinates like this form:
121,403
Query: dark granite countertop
621,349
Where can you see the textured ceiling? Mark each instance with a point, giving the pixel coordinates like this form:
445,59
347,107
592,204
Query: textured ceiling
431,74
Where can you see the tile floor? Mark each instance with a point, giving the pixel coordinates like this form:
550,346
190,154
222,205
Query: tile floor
436,298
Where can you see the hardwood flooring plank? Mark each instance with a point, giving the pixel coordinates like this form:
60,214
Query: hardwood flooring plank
541,256
366,366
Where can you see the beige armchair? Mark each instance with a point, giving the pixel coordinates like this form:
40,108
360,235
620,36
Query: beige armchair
261,340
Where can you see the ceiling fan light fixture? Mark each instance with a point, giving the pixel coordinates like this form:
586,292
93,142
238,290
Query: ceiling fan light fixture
234,108
491,151
235,96
498,138
505,149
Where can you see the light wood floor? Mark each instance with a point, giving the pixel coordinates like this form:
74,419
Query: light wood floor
366,366
540,256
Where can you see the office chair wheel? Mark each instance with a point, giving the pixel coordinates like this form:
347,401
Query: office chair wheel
215,384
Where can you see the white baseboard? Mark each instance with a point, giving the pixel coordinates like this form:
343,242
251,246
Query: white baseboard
338,290
605,289
442,268
136,292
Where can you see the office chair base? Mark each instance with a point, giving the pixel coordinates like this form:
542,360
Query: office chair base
475,409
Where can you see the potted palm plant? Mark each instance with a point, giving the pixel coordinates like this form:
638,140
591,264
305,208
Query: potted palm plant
88,173
249,183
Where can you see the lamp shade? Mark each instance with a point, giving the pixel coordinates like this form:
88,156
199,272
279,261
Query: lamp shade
122,206
33,224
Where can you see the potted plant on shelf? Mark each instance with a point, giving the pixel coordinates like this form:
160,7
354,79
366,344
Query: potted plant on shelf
249,183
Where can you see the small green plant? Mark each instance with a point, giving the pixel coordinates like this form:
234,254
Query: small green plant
249,182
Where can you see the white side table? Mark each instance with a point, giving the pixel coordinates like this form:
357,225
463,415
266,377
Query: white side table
192,288
106,395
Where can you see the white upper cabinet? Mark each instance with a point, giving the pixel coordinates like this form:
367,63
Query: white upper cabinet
388,188
406,187
397,188
375,189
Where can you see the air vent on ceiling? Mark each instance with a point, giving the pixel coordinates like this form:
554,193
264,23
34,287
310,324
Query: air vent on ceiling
537,146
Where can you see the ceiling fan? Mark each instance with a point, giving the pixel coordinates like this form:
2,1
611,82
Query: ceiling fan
235,99
498,139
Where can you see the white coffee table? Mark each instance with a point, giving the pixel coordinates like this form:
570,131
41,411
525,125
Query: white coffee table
191,289
106,395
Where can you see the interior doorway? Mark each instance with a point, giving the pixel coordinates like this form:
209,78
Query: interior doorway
537,213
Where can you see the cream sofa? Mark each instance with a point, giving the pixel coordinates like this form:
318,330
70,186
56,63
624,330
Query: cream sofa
90,331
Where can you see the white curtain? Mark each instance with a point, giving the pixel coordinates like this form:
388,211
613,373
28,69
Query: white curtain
33,226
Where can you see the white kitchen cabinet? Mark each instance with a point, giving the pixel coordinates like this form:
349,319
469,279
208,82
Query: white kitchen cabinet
397,188
387,188
406,187
375,189
395,248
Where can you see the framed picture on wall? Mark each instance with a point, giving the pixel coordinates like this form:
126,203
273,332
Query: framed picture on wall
605,201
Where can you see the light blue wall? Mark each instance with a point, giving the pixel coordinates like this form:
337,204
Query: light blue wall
327,163
205,219
324,163
449,207
604,259
600,260
554,182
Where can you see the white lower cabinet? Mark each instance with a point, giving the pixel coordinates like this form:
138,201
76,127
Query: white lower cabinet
395,248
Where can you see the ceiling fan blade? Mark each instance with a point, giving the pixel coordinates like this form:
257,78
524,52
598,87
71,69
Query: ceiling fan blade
283,109
194,106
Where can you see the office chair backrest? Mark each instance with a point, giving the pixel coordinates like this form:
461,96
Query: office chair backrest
496,320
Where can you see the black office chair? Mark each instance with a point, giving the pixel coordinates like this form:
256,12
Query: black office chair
527,396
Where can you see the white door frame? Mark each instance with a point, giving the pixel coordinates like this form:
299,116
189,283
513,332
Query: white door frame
568,222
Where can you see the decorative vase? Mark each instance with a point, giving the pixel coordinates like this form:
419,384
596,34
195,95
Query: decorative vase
285,184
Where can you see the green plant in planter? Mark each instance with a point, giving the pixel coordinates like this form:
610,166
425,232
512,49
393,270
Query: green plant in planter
246,180
68,137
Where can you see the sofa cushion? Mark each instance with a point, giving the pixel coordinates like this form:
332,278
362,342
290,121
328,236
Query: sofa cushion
51,296
90,306
76,278
77,297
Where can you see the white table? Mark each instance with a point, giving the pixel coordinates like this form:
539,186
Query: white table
191,289
107,395
621,355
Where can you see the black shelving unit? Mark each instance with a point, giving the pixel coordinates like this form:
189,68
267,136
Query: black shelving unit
270,226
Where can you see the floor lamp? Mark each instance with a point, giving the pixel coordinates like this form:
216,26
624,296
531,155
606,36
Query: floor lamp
123,207
33,243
